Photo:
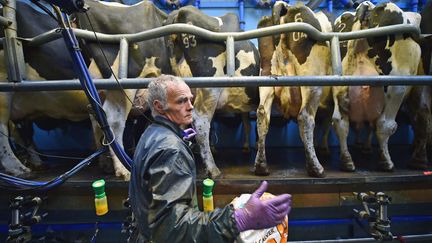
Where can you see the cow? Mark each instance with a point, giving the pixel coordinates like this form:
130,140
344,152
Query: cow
384,55
419,101
51,61
354,105
207,58
290,54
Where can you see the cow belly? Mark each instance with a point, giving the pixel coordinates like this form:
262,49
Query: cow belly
70,105
234,100
366,103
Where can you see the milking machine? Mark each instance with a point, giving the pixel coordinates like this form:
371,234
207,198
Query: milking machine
24,215
375,212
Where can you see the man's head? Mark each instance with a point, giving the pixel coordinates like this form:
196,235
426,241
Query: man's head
171,97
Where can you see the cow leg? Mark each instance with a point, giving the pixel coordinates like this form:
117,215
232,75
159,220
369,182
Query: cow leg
247,129
323,147
367,146
419,102
204,107
306,120
8,160
386,124
263,122
358,142
117,107
341,125
23,132
105,160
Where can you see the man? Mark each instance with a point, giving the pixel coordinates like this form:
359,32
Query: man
162,189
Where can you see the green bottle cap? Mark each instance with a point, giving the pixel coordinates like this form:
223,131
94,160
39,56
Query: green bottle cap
208,187
99,188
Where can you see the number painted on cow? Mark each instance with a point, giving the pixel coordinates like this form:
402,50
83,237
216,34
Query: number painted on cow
341,27
189,40
298,35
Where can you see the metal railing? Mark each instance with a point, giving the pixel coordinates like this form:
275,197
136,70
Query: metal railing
229,37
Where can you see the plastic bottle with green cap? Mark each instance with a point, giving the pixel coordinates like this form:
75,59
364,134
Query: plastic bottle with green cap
208,185
101,203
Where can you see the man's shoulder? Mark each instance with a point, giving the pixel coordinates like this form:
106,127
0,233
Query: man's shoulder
160,135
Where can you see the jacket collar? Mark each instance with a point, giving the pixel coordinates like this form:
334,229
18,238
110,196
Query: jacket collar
169,124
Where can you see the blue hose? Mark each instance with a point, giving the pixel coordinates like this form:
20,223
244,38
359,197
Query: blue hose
15,183
92,94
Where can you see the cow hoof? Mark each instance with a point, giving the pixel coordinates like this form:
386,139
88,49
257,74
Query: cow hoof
385,166
214,173
126,177
418,164
314,171
106,164
348,167
261,169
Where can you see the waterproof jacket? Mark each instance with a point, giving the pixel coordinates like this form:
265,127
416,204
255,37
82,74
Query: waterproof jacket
163,195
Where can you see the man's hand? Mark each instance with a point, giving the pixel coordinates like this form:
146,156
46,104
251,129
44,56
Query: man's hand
257,214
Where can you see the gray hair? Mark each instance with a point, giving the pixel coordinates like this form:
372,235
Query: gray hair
157,90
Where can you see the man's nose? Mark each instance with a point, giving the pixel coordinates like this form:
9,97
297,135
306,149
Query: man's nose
190,105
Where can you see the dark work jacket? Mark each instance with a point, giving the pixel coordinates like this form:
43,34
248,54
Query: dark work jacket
162,191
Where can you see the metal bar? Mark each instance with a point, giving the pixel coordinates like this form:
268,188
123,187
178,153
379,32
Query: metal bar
123,59
12,46
222,36
336,56
230,56
246,81
41,39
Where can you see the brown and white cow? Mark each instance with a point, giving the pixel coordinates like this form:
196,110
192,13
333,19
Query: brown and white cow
287,55
207,58
384,55
51,61
354,105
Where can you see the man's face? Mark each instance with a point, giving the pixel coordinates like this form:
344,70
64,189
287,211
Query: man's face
179,100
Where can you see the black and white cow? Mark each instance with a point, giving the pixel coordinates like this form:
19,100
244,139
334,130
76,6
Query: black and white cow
287,55
384,55
207,58
51,61
420,100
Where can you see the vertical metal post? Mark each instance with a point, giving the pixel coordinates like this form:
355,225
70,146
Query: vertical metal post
230,56
123,59
13,48
336,56
242,14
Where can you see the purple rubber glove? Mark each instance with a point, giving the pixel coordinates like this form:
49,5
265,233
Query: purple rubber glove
257,214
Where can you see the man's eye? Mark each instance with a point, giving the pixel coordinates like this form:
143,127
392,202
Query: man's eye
182,101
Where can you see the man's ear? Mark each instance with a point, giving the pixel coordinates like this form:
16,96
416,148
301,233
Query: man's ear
158,107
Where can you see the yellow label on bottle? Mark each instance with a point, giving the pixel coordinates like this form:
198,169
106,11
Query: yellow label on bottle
101,206
208,204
